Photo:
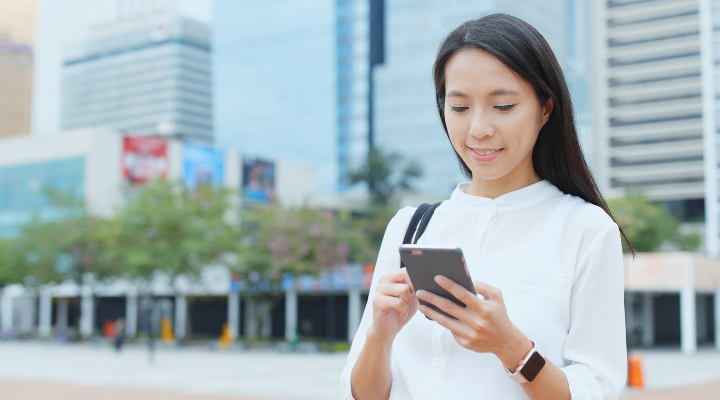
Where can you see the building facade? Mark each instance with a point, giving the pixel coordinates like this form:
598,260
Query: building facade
405,114
61,21
276,83
148,75
17,39
356,74
656,124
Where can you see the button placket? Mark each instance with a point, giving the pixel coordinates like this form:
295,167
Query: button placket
434,375
480,229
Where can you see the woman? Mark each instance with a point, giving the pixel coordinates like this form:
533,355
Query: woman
540,243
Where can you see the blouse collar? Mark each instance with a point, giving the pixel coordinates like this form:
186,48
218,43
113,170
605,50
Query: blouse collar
521,198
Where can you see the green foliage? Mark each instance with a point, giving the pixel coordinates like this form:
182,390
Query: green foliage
297,241
12,267
167,228
649,225
379,171
54,250
373,225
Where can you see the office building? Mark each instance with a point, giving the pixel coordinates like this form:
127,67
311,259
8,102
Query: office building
295,79
656,119
15,88
17,38
276,83
61,21
147,75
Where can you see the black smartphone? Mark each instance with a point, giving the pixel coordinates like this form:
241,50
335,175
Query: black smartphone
423,263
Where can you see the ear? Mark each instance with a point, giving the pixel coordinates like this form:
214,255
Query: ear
546,110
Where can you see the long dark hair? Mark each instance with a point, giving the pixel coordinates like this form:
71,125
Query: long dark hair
557,156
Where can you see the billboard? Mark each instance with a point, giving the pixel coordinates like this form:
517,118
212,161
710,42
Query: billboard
202,166
144,158
258,180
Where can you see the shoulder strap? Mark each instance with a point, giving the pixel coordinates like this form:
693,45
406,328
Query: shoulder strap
425,221
412,226
414,221
421,217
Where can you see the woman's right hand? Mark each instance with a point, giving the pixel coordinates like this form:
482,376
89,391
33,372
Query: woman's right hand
394,304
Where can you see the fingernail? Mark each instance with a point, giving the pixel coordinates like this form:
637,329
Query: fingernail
405,317
420,294
439,279
421,309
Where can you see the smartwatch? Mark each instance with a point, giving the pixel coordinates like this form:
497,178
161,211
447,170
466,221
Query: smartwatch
530,366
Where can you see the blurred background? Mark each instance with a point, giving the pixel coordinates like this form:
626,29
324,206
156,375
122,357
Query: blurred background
204,184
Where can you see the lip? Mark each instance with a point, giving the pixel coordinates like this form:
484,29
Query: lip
486,158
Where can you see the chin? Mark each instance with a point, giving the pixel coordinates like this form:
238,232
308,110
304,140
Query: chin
486,173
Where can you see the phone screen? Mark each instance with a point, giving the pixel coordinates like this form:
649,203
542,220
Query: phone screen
423,263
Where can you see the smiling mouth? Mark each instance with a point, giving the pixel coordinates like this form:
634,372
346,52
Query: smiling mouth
485,152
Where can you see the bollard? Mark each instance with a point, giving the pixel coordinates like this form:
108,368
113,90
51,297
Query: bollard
635,373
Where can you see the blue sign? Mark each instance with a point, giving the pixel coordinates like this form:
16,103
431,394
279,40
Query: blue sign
203,166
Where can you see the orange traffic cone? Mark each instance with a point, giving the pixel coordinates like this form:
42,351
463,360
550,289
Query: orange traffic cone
635,373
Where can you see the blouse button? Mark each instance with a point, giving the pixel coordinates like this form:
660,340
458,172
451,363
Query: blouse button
436,363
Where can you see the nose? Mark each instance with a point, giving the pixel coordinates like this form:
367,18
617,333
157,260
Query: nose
480,127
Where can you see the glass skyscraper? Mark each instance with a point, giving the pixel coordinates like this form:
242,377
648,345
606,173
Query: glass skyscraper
275,82
148,75
405,114
322,80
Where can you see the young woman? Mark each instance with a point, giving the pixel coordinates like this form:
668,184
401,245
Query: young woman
540,243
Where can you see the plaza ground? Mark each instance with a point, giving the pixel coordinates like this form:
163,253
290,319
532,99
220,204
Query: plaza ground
45,370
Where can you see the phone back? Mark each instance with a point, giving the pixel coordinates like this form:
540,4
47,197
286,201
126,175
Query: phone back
424,263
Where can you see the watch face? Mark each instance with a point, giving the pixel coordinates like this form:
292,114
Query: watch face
533,366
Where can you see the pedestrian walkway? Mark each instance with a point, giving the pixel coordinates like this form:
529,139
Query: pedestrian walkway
24,390
705,391
87,370
243,374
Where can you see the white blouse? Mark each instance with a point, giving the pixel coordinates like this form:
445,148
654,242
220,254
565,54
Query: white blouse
558,262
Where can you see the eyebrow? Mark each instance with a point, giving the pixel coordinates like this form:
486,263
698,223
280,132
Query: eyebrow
497,92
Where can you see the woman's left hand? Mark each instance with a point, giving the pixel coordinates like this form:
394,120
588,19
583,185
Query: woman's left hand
483,326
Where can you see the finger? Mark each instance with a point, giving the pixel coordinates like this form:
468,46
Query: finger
384,304
486,291
468,298
400,290
399,276
454,325
444,304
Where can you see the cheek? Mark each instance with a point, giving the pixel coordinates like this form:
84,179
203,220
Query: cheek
456,131
522,132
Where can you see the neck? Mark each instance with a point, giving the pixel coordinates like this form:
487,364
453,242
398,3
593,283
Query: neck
494,188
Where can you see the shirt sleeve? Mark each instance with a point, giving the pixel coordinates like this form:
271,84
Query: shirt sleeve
595,347
388,260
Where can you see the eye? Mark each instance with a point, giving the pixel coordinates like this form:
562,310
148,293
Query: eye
458,109
507,107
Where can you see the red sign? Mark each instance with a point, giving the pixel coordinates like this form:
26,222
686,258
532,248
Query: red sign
144,158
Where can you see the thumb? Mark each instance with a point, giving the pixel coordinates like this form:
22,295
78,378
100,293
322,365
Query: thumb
486,291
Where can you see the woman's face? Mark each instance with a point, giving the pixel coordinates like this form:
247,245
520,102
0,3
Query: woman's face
492,115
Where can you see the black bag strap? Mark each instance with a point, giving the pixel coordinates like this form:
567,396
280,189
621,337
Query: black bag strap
418,223
425,221
414,221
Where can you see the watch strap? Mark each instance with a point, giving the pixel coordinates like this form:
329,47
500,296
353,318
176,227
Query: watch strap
517,376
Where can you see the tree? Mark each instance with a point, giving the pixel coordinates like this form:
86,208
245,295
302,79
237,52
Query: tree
649,225
66,246
385,175
167,228
12,267
279,241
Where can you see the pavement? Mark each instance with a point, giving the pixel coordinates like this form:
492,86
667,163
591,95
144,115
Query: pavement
84,371
240,374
